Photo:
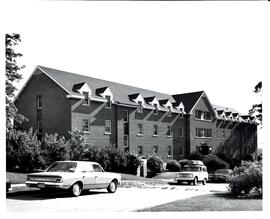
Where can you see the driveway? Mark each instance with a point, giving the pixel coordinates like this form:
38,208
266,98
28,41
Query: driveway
125,199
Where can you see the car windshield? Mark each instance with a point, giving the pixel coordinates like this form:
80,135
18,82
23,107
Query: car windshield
62,167
191,169
223,171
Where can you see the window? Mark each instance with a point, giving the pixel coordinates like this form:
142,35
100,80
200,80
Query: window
140,150
125,116
108,126
170,111
181,115
86,98
155,130
169,130
140,129
181,130
207,116
39,101
155,149
97,168
85,125
139,107
202,115
126,130
125,140
203,133
169,151
208,133
156,109
39,114
109,102
223,134
40,127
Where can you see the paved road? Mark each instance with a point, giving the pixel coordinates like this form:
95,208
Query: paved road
125,199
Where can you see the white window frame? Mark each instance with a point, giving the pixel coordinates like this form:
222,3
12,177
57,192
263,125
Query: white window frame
140,129
169,130
110,127
155,128
155,149
126,115
109,101
86,99
140,107
140,148
88,125
169,150
156,108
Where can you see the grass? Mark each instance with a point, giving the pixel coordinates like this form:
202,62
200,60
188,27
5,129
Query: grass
212,202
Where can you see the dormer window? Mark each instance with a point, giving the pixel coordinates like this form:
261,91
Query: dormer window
156,109
109,102
86,98
140,107
170,111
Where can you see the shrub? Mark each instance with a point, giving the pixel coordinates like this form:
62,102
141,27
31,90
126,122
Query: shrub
246,177
173,166
213,165
155,164
54,148
133,162
77,145
23,150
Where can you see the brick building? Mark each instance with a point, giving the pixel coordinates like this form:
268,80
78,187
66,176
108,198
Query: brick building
133,119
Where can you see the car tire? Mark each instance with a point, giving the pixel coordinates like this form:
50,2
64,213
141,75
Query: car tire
179,182
204,182
195,181
112,187
76,189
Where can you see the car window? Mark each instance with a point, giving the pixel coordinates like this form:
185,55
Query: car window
87,167
62,167
97,168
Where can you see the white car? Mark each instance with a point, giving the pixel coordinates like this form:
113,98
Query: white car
192,174
74,176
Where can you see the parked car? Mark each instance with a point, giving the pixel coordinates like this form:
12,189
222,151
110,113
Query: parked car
221,175
192,174
74,176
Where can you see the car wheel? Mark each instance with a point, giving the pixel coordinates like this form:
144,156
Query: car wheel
204,182
179,182
76,189
112,187
195,181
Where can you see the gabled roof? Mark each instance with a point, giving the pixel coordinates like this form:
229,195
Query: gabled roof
163,102
149,99
77,86
101,90
122,93
188,99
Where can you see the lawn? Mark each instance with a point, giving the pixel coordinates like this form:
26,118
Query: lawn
212,202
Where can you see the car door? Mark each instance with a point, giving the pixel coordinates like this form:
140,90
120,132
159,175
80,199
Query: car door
102,180
88,176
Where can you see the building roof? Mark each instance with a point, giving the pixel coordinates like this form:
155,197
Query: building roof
188,99
122,93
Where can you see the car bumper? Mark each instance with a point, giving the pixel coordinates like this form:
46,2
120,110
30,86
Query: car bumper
42,185
184,179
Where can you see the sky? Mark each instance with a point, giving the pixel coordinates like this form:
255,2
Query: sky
174,49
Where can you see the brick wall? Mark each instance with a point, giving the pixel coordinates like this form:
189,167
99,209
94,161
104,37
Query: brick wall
56,115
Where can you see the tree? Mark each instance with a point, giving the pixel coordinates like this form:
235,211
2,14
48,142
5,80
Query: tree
12,69
256,109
